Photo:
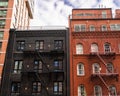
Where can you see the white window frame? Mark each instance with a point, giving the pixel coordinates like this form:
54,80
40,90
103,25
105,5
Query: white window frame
99,89
79,49
81,90
104,14
80,69
94,47
115,27
92,28
113,89
96,65
79,27
104,28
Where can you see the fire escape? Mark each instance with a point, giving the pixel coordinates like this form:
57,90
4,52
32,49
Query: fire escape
48,74
106,57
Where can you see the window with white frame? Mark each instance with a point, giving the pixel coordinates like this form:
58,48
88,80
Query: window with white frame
104,28
107,48
81,90
94,47
79,27
115,27
97,90
58,88
80,69
104,14
15,89
92,28
79,49
96,68
110,68
112,90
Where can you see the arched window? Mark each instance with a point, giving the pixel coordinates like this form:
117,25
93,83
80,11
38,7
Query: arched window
96,68
94,47
110,68
104,28
112,90
80,69
79,49
81,90
107,48
97,90
92,28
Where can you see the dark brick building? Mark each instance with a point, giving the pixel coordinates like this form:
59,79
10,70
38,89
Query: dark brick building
94,52
36,63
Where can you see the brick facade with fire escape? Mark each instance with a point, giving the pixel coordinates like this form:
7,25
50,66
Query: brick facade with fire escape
94,52
36,63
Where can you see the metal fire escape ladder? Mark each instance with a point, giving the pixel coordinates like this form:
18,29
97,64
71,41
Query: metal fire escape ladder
43,83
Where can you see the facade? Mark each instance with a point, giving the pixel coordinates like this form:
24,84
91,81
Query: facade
13,14
94,52
36,63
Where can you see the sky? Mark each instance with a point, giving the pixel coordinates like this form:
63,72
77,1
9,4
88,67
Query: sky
56,12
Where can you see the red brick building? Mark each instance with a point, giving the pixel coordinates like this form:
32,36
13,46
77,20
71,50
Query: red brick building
94,52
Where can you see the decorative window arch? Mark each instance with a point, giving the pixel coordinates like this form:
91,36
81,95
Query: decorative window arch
110,68
97,90
81,90
96,68
79,49
94,47
107,47
112,89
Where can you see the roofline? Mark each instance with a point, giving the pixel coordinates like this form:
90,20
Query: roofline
92,9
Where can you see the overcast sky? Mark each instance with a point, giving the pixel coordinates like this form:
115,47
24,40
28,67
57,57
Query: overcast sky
56,12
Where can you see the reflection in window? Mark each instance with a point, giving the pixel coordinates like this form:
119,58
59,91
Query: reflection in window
97,90
58,88
94,48
79,49
58,65
96,68
110,68
81,90
80,69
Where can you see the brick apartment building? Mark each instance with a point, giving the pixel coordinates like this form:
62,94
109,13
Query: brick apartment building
37,63
94,52
13,14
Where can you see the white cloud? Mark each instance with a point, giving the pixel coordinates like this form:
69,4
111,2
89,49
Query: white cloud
56,12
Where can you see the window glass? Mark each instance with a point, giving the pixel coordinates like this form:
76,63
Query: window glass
97,90
81,90
0,46
104,14
38,65
107,48
110,68
39,45
94,48
79,27
15,88
1,34
79,49
58,65
58,44
58,88
80,69
96,68
104,28
36,87
92,28
20,45
112,90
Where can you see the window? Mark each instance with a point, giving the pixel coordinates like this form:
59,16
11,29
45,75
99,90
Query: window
104,14
94,47
36,88
18,66
58,88
0,46
1,34
79,49
110,68
4,4
104,28
38,65
20,45
39,45
2,23
97,90
115,27
81,90
79,27
58,44
96,68
112,90
80,69
58,65
107,48
92,28
15,88
3,13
